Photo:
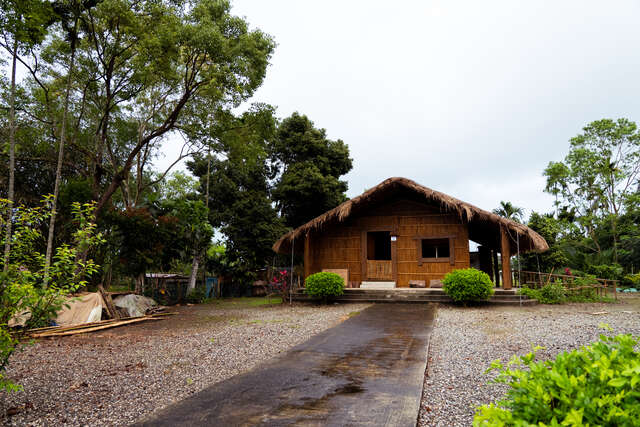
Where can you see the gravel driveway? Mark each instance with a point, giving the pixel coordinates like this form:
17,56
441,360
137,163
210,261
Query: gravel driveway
120,375
466,340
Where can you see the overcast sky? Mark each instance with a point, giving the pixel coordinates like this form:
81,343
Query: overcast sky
469,98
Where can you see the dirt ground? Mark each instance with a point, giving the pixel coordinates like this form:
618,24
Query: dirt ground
118,376
466,340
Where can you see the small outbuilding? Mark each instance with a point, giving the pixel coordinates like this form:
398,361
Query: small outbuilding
402,233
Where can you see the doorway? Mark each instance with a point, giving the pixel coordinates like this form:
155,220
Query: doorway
379,255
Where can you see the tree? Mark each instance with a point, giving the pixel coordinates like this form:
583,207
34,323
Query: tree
311,166
550,229
509,211
24,24
239,191
147,70
597,177
21,280
70,14
195,230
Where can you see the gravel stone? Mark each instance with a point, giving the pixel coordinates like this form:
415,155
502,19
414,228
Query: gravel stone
122,375
466,340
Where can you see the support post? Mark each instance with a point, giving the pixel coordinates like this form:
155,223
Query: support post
506,259
307,255
496,267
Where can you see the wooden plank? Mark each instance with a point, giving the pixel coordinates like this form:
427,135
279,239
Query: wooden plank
363,256
96,328
342,272
381,270
307,255
111,309
506,259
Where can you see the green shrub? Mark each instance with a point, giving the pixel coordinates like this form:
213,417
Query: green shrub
196,296
531,293
597,385
324,285
606,271
552,293
631,281
22,285
467,285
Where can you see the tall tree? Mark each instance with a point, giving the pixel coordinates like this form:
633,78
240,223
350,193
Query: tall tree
24,24
598,176
239,190
70,12
508,210
149,70
311,167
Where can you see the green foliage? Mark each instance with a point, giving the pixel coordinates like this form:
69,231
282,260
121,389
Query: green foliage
311,167
632,280
239,194
552,293
606,271
550,229
324,285
560,293
509,211
29,291
467,284
197,295
596,182
596,385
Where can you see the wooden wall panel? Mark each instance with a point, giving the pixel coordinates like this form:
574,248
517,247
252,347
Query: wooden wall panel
340,246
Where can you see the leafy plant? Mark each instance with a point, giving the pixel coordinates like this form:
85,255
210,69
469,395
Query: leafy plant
632,280
467,284
553,293
606,271
280,283
596,385
31,292
196,295
324,285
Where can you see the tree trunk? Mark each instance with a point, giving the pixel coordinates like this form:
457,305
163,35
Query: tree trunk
12,156
194,273
614,232
140,284
56,186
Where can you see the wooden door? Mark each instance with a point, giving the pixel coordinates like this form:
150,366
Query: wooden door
378,260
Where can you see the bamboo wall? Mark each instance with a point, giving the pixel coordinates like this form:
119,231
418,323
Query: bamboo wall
344,245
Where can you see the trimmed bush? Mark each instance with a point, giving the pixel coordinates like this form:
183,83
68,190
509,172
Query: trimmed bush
324,285
467,285
597,385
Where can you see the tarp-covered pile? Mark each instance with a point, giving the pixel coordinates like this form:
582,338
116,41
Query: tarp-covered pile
135,305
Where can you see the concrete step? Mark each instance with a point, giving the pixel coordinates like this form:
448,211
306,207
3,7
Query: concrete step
390,297
378,285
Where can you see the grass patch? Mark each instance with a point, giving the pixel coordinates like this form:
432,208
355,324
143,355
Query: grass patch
244,302
353,313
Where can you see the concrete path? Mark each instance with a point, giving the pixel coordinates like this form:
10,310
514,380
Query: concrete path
368,370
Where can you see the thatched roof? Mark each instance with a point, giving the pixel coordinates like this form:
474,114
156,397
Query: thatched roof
484,226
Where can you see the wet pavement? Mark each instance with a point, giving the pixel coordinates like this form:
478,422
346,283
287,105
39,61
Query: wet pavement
368,370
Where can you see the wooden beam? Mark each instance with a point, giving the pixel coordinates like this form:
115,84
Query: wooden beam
506,258
363,256
307,255
496,267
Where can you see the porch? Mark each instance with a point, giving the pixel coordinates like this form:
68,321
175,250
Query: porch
425,295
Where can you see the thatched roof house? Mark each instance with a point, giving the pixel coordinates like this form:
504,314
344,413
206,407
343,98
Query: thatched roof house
402,232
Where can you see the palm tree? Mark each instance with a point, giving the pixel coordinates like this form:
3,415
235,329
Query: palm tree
509,211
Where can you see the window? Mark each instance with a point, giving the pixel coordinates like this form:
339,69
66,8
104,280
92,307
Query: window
435,248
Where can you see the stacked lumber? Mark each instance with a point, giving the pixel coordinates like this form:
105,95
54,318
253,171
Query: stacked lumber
60,331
